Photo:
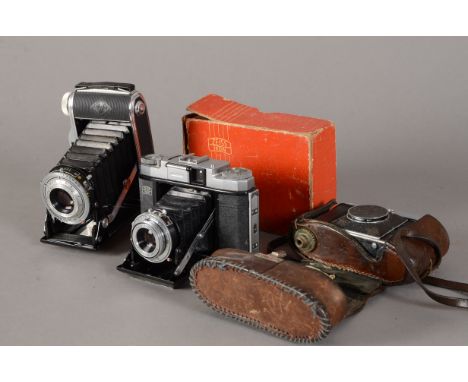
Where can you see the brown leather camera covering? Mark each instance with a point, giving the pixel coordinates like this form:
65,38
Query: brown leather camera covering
337,249
282,297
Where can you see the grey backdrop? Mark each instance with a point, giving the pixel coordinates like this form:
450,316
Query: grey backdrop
400,108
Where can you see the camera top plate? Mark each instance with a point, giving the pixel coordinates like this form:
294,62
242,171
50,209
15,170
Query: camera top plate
374,221
199,171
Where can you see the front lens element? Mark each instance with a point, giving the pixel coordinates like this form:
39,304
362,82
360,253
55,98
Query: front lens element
61,200
146,240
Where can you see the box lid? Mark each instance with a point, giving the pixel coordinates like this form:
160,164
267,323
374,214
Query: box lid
220,109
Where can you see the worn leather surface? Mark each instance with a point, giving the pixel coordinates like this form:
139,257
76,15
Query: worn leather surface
283,297
422,254
336,248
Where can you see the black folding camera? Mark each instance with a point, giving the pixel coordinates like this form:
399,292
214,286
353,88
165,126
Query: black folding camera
93,188
190,206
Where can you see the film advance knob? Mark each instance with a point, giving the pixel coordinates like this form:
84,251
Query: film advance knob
64,103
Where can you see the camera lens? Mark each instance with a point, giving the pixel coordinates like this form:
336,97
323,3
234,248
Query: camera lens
153,236
66,196
146,240
61,200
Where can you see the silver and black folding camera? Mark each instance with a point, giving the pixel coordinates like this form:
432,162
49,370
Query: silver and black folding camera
93,188
190,206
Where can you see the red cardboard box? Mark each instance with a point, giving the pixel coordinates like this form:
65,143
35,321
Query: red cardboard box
292,157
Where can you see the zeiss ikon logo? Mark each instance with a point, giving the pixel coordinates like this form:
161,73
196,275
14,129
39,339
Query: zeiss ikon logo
219,145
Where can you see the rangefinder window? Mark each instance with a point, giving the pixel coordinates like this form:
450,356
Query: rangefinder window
198,176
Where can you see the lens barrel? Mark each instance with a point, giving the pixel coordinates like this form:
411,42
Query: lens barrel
154,235
66,195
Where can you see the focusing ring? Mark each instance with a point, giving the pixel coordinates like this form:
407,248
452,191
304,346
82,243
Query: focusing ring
77,189
162,231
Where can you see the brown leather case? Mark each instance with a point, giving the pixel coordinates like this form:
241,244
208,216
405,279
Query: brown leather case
336,249
282,297
410,254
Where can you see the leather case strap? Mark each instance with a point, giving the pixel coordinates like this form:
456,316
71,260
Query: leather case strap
418,232
446,284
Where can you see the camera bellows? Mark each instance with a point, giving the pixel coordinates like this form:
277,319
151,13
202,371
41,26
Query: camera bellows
173,222
89,177
279,296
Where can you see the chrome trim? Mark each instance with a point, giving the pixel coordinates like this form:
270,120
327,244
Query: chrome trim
254,229
136,138
105,91
97,125
64,103
103,133
364,220
73,133
375,238
157,223
365,236
98,145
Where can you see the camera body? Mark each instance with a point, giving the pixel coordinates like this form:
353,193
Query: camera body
190,206
93,188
